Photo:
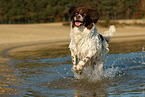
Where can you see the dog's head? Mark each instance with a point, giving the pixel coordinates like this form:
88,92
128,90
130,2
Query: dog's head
81,16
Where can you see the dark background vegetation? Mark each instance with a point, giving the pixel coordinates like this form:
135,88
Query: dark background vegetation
42,11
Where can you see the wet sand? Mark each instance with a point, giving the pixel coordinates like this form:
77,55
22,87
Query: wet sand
15,38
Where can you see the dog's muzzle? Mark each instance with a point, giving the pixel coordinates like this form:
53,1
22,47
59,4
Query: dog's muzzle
78,20
79,23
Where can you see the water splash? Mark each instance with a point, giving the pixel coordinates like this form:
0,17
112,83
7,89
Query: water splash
114,66
143,48
92,75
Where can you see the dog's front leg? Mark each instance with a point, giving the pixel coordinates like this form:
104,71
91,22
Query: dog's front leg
82,63
74,60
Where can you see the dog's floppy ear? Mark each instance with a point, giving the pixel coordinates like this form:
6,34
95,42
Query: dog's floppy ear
94,15
71,9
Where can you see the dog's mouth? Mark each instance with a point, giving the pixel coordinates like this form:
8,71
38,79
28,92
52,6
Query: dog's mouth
79,23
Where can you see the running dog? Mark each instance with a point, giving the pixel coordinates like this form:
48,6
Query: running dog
87,46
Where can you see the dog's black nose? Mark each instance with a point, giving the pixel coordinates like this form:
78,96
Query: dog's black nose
78,17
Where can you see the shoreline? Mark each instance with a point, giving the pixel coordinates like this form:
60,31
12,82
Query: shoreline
5,48
55,33
115,47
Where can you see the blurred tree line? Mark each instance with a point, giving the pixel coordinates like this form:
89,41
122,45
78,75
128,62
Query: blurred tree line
40,11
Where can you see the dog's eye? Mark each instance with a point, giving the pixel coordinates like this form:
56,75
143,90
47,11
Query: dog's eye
84,14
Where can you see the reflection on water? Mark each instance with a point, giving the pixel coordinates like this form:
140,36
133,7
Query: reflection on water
47,72
126,47
8,80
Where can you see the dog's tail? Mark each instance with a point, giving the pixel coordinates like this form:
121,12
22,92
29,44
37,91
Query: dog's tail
109,33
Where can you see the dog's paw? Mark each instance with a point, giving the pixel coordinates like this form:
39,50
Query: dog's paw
78,71
80,65
75,67
78,68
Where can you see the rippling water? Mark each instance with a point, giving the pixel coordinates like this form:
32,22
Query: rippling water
38,75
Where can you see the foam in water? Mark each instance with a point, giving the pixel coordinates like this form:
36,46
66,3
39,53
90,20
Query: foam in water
92,75
143,48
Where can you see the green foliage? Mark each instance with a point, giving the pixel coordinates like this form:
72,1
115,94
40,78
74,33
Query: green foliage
36,11
107,21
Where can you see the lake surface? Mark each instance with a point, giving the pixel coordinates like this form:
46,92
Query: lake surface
47,73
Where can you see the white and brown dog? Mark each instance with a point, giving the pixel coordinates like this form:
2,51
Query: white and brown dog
87,46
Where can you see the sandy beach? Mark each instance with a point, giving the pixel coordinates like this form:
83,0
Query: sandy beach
12,36
38,35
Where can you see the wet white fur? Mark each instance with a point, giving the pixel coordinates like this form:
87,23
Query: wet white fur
87,45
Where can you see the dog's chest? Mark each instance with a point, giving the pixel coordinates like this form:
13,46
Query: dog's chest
79,35
84,41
